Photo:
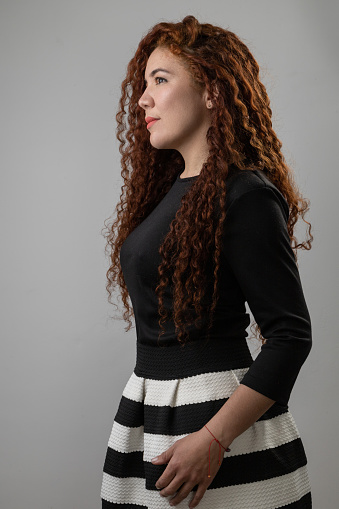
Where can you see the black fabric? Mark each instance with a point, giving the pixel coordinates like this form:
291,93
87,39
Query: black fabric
257,248
304,503
108,505
257,266
199,356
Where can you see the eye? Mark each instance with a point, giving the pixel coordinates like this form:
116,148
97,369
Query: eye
160,78
156,78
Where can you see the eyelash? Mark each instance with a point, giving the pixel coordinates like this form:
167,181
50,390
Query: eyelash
160,78
156,78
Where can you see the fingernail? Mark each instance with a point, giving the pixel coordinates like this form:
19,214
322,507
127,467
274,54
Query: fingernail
155,459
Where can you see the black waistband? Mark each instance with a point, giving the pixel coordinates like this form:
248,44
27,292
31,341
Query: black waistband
201,356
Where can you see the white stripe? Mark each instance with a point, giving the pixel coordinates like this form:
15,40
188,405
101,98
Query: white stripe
134,388
125,439
184,391
262,435
268,494
266,434
125,490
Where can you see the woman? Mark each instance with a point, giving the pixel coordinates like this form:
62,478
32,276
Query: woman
205,223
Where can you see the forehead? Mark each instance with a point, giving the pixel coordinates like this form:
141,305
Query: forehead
162,57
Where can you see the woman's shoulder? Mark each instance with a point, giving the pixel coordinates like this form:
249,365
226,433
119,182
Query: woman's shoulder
242,182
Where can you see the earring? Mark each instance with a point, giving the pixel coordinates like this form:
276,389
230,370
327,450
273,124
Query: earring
209,105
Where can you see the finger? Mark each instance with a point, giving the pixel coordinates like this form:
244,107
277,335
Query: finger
164,457
164,480
198,496
182,493
172,487
159,461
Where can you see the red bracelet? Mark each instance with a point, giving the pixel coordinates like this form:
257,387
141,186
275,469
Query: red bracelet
209,454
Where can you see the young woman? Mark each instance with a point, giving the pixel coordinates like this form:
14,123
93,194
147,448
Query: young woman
205,224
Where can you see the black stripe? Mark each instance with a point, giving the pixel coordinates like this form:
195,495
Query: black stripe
246,468
200,356
176,420
179,420
260,465
109,505
185,418
119,464
304,503
130,413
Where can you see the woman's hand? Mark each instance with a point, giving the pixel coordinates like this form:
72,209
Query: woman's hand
188,462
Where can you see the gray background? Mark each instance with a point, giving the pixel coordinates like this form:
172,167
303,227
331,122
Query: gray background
63,363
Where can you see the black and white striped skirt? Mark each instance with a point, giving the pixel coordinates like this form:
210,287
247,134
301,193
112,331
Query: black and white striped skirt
174,391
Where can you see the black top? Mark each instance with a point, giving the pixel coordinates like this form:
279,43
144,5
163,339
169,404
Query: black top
257,266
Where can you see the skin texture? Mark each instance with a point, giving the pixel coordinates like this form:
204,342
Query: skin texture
182,109
184,120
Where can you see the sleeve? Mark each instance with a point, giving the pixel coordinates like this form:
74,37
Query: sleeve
257,247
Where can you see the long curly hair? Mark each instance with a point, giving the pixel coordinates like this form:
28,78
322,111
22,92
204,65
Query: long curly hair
240,135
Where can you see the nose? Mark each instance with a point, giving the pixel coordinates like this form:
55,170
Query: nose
145,100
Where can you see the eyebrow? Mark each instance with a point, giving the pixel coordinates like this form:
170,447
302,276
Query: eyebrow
155,71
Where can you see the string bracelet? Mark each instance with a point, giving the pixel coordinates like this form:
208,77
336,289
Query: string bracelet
209,451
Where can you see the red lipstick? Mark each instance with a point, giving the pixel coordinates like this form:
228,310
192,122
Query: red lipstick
150,121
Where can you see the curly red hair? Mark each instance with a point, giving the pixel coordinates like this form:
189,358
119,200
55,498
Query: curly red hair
240,135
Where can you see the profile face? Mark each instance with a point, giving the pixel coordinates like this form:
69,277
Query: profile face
172,98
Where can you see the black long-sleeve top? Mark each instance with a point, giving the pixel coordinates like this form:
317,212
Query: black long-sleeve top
257,266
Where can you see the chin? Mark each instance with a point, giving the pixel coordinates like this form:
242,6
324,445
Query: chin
160,144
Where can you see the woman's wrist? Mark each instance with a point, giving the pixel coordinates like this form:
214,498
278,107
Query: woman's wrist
213,432
222,448
242,409
226,448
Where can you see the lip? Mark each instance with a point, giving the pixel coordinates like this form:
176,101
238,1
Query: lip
150,120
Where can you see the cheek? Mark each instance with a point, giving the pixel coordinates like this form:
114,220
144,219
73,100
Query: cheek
183,108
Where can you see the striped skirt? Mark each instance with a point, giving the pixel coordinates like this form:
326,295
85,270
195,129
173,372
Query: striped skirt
174,391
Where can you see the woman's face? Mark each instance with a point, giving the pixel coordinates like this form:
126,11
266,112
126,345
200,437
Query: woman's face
171,97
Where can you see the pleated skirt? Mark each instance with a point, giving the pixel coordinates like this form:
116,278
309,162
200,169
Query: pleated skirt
174,391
